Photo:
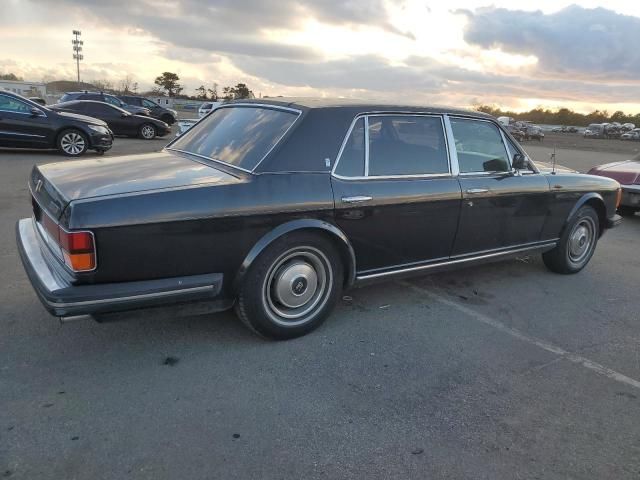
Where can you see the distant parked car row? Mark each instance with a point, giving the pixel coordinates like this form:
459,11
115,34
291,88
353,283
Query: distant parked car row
611,130
134,104
522,131
565,129
72,127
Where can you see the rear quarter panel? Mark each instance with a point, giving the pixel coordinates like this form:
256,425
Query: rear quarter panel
190,231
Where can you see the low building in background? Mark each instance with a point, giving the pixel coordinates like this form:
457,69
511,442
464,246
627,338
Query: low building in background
26,89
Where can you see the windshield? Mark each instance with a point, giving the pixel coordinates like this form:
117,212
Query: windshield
238,135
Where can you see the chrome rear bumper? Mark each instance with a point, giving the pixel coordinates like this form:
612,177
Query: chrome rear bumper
64,299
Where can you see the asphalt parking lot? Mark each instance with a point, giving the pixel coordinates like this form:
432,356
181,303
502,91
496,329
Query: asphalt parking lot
504,371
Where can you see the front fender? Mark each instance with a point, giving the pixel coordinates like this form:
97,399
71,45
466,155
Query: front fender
595,200
301,224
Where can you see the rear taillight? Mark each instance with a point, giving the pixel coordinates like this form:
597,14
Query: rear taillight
78,249
618,197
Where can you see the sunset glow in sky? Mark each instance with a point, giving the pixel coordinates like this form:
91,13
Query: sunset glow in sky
583,55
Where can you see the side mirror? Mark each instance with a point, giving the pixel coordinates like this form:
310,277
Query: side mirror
520,162
36,112
124,115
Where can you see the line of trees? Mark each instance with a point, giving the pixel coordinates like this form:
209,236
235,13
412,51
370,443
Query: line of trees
562,116
169,83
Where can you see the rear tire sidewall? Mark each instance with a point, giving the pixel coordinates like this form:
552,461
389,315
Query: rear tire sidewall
559,259
64,135
144,128
253,306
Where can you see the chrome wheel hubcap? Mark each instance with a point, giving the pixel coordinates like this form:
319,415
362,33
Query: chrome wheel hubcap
72,143
581,239
297,284
147,132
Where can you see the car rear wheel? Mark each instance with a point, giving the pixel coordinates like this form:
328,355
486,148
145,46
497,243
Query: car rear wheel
72,142
291,287
147,131
577,243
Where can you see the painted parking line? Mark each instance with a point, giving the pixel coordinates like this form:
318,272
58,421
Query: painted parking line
492,322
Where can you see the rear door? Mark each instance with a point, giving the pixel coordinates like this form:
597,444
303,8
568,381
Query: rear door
19,127
118,124
500,208
396,196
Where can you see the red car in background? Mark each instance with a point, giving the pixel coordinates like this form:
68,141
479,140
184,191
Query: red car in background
627,173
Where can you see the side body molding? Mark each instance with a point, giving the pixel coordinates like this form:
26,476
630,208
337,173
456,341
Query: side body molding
345,248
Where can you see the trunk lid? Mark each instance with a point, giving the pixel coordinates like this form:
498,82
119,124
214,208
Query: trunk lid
626,172
55,185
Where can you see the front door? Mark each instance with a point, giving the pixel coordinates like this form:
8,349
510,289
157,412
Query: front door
19,127
500,208
395,196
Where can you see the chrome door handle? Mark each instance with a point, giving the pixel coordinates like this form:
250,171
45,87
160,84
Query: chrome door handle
475,191
356,199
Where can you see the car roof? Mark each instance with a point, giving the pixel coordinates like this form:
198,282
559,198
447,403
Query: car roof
74,102
310,103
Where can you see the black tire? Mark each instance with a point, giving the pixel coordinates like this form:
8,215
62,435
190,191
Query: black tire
168,119
577,243
627,211
304,261
72,142
147,131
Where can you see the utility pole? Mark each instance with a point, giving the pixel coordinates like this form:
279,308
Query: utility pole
77,49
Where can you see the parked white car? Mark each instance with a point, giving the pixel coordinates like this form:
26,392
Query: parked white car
206,107
185,124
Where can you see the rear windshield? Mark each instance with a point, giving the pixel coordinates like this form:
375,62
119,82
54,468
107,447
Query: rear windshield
240,135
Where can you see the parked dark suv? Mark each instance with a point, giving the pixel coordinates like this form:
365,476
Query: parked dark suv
107,98
167,115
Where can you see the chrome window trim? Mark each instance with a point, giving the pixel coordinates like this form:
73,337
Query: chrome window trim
366,176
453,151
366,146
504,145
297,111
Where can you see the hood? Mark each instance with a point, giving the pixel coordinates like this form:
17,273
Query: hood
61,183
626,172
82,118
546,167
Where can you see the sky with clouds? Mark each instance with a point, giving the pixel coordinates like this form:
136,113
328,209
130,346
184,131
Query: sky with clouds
583,55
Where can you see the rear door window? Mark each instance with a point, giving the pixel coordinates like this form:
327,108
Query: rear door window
407,145
239,135
480,147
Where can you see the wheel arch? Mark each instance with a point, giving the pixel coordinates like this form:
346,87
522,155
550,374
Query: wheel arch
324,228
595,201
58,132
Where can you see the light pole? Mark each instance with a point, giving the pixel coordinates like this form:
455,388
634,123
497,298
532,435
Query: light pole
77,49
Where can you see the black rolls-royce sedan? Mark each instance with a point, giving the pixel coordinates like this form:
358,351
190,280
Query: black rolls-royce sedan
119,120
27,124
276,206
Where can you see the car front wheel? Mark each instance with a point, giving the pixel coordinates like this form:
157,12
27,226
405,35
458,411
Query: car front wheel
291,287
72,142
147,131
577,243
